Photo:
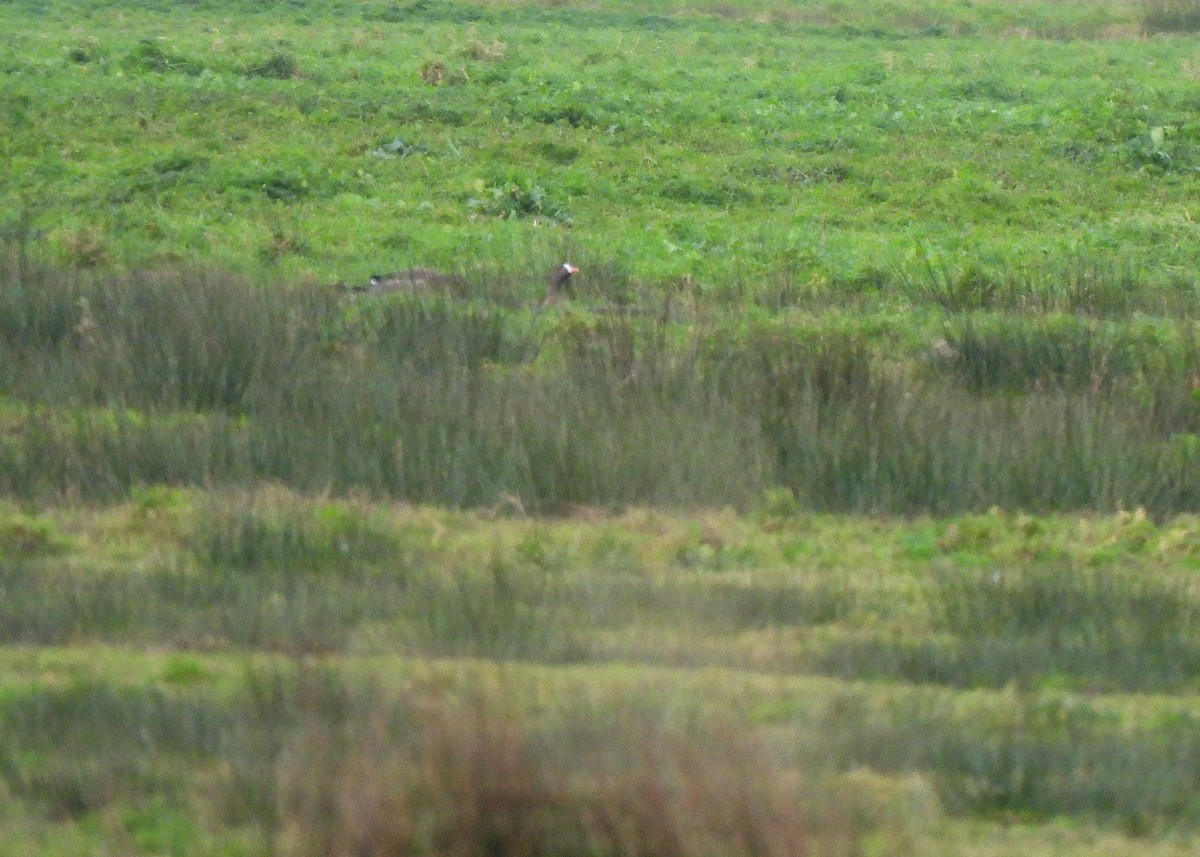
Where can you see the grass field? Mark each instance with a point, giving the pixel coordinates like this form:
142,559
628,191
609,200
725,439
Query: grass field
742,144
244,673
849,506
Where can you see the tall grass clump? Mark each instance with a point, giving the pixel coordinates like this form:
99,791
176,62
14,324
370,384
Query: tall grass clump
272,529
198,342
1077,284
311,576
1108,628
1012,353
468,780
81,749
427,334
190,340
280,65
38,306
1035,755
1170,16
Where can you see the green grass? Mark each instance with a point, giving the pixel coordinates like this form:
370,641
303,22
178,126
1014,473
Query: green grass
805,153
159,694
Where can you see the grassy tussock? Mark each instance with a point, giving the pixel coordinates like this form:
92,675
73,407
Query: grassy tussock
1077,285
1170,16
471,781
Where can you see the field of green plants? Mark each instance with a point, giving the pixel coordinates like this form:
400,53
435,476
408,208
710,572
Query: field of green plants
849,505
756,146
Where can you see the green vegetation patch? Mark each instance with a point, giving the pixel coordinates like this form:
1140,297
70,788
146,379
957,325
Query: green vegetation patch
28,536
932,675
754,148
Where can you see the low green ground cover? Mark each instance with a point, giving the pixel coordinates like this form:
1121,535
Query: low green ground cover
753,148
246,673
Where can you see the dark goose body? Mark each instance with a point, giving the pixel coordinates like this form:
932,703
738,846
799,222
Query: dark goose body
410,280
426,279
558,281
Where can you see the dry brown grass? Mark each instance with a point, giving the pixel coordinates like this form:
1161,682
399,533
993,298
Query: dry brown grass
468,782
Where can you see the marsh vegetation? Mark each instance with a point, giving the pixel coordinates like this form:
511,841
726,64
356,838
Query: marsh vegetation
849,505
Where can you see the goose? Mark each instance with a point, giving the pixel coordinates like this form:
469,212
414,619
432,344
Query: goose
558,282
426,279
409,280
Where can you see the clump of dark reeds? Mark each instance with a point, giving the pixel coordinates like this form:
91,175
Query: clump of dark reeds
1097,288
1170,16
